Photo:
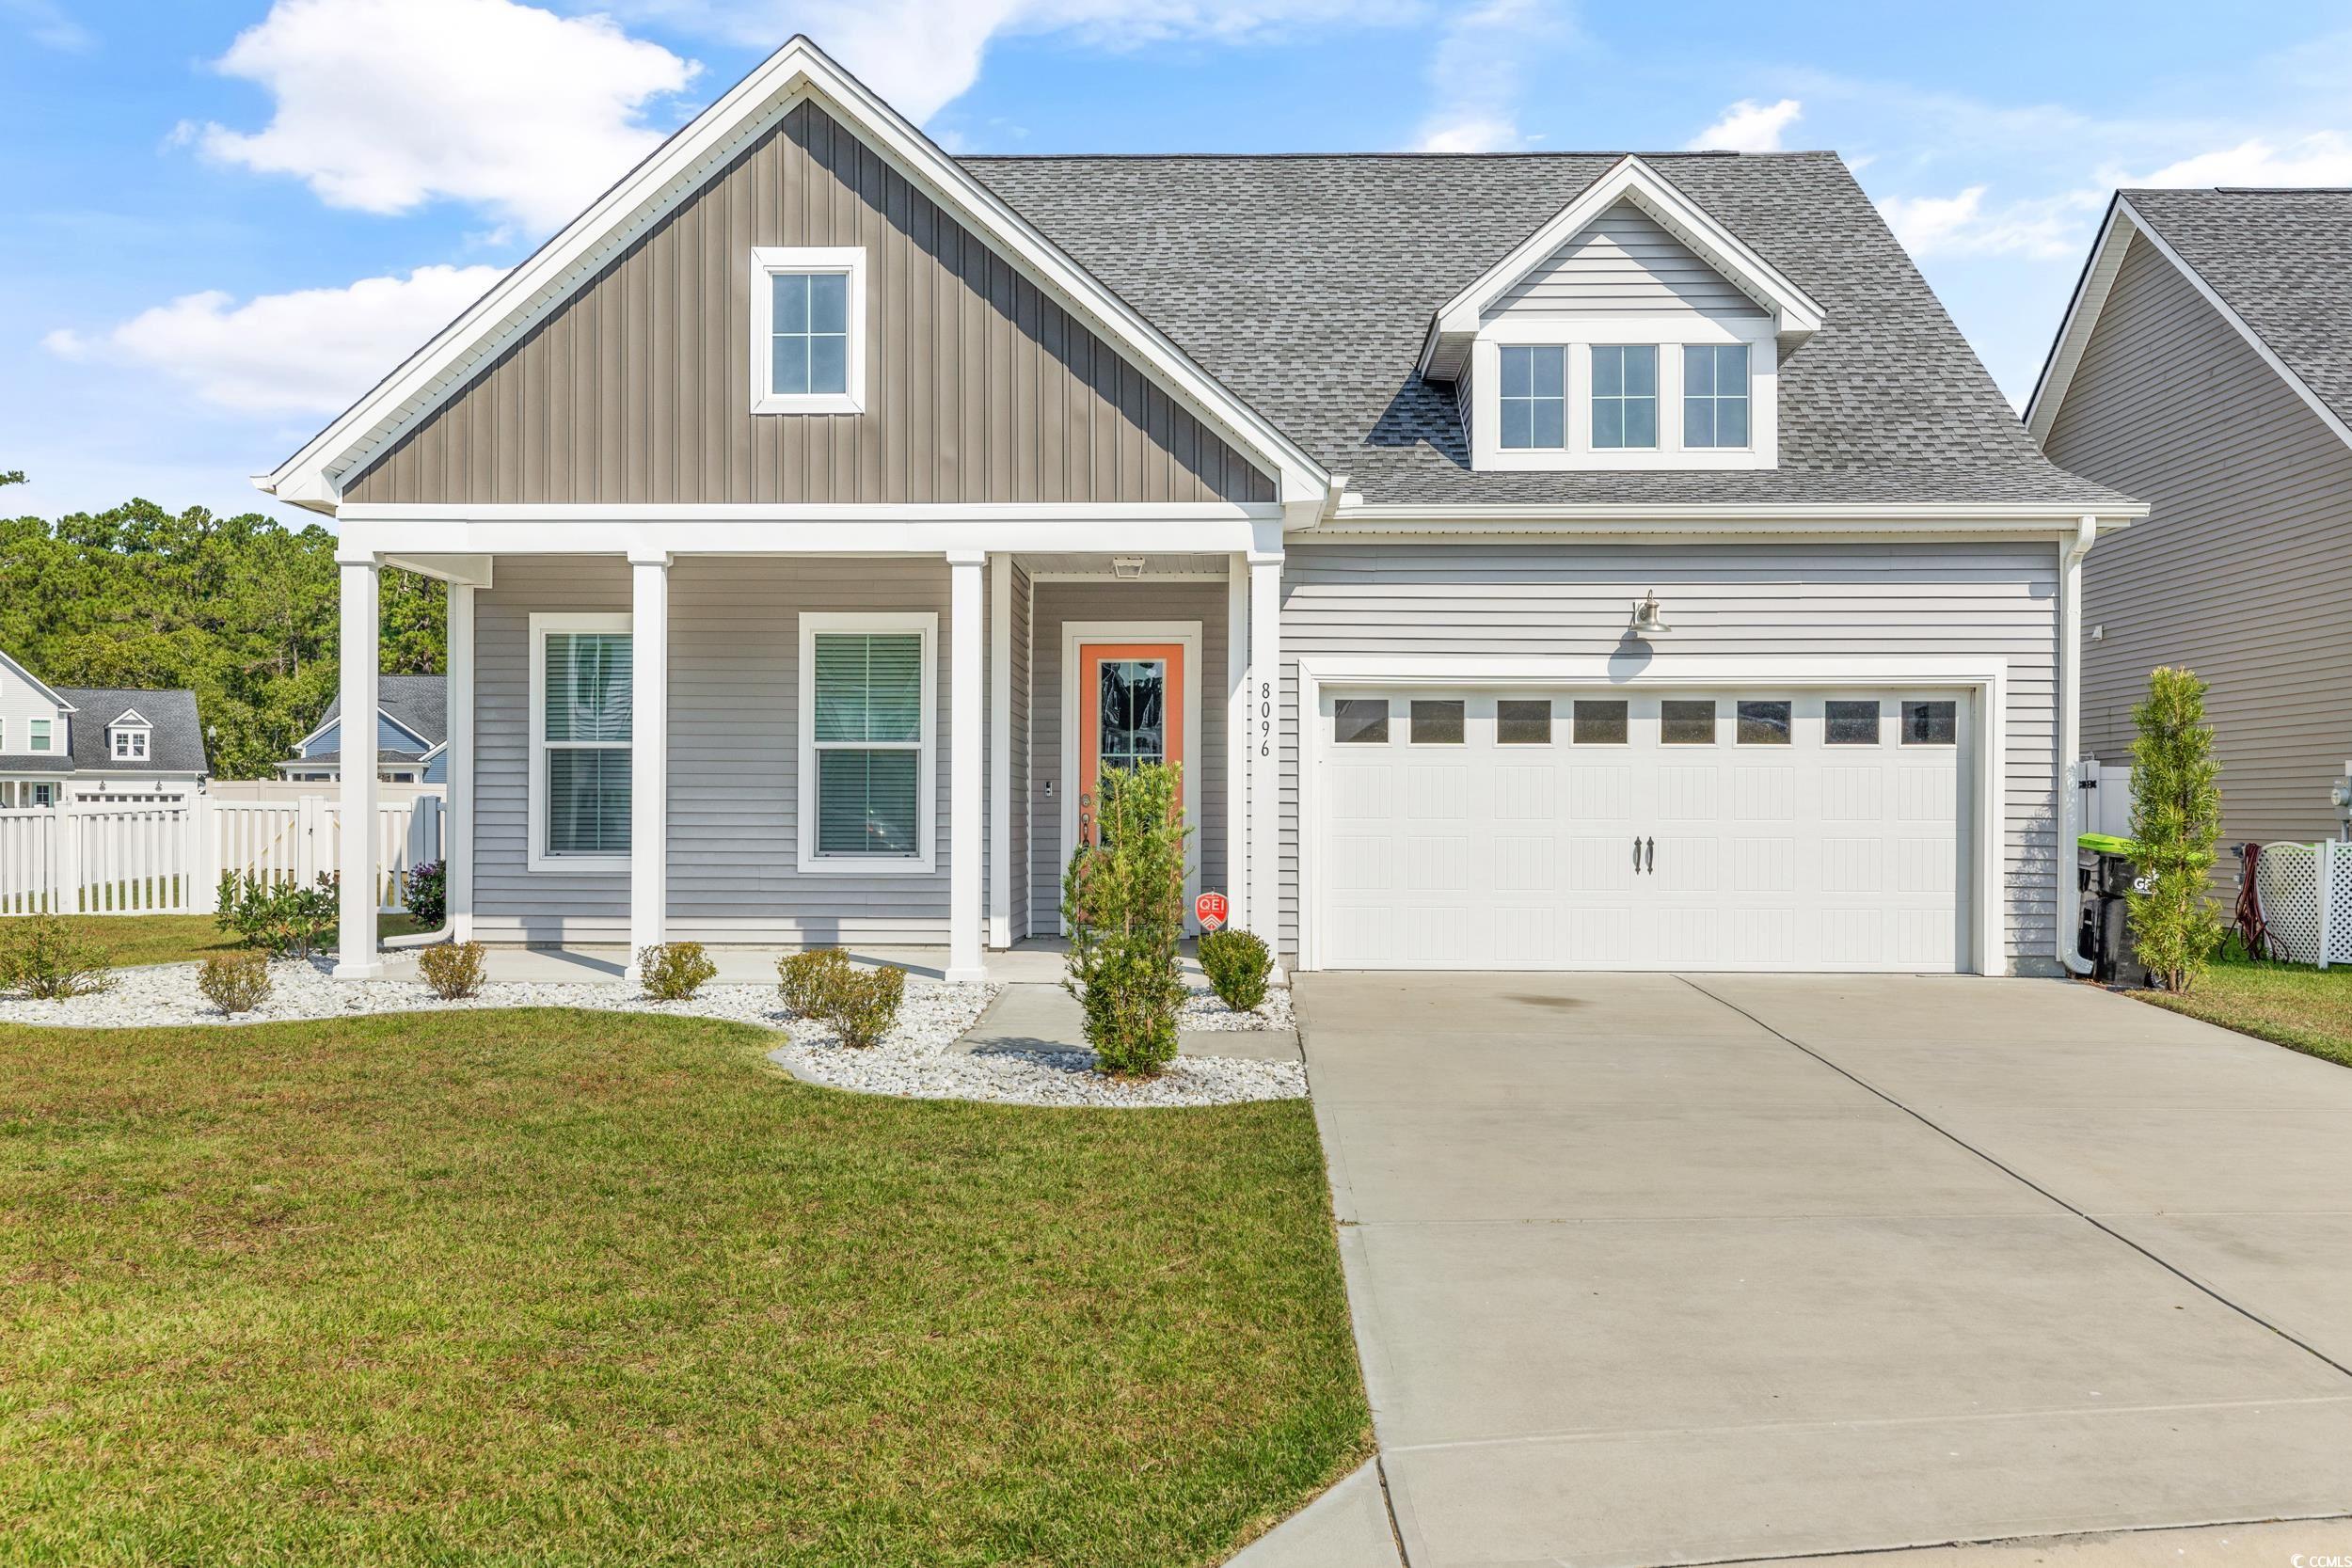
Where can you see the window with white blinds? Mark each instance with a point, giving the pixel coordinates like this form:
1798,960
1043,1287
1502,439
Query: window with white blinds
581,735
868,767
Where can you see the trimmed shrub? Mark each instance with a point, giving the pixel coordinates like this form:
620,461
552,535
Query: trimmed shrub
1123,899
865,1003
235,982
807,981
282,918
674,971
48,960
2176,826
1238,965
424,892
454,970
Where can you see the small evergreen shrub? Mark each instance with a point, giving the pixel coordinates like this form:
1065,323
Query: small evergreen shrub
48,960
807,981
1238,966
674,971
865,1003
424,893
454,970
1123,899
2176,823
282,918
235,982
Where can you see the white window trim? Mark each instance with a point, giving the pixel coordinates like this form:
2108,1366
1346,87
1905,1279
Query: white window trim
118,733
535,856
1668,334
40,736
812,863
768,261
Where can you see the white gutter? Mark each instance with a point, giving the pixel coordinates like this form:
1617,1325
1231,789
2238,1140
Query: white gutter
2071,555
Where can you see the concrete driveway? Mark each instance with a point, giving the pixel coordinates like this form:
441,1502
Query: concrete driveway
1653,1270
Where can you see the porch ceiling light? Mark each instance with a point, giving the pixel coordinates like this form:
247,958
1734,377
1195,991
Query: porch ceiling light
1127,566
1649,616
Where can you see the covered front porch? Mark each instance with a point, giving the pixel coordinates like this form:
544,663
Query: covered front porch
762,749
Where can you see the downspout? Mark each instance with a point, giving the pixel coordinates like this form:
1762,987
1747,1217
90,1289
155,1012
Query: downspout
2069,739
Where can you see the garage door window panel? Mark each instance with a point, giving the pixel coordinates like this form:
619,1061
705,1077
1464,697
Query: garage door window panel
1360,722
1851,724
1684,722
1437,723
1763,724
1932,724
1523,723
1600,723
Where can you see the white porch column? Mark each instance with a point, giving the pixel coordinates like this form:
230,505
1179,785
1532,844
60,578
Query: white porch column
1000,806
966,684
1266,748
457,822
650,753
1236,889
355,945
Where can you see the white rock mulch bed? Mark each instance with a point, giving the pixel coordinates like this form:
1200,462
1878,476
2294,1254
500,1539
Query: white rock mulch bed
919,1059
1202,1010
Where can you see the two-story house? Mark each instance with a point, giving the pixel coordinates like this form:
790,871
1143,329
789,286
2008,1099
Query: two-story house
411,736
1535,560
95,743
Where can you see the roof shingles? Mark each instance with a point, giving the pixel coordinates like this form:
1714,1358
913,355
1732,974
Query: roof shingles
1305,284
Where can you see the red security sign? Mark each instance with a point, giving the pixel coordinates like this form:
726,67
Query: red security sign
1211,907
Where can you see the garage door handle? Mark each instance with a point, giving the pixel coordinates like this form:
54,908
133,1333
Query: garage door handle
1653,856
1637,855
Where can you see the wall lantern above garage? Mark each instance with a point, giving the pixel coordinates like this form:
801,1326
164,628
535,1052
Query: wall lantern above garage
1649,616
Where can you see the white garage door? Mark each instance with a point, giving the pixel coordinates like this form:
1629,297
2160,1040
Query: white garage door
1613,829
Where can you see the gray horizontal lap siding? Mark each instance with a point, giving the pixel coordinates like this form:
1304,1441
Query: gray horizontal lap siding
1061,602
979,387
2239,572
733,749
1624,264
1534,600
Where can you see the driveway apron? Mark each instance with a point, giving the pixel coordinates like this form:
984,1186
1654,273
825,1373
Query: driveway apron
1656,1270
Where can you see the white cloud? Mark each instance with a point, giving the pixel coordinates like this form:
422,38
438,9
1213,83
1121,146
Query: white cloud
2045,229
46,23
1748,126
1477,72
383,105
309,351
921,55
2321,158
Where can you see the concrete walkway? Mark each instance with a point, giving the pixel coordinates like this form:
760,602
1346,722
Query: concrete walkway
1647,1269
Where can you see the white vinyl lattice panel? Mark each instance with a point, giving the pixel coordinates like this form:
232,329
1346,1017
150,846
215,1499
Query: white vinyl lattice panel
2286,880
2339,866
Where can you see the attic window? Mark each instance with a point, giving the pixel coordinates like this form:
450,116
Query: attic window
808,329
127,742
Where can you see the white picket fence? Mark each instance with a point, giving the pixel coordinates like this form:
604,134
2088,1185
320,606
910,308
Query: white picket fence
124,859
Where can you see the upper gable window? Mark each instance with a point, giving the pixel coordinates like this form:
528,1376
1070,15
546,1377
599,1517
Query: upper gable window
1715,395
808,329
1535,398
1624,396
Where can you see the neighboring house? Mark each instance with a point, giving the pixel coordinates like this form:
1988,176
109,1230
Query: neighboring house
2205,365
95,743
411,736
822,513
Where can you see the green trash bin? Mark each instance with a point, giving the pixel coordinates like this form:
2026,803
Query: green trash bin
2104,868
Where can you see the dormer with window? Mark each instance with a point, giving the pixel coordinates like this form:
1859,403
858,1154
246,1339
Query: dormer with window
129,737
1631,331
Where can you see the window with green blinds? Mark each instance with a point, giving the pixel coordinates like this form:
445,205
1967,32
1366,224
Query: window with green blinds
869,735
586,732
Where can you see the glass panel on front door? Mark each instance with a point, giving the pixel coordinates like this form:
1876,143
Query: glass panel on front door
1132,713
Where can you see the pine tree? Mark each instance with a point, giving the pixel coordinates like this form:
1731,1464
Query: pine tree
2176,821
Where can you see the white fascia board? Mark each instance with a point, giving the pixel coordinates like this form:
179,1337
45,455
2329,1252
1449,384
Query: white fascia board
1915,520
48,692
1795,313
680,166
829,534
2082,315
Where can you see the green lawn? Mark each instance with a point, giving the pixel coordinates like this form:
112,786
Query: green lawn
567,1288
131,939
2293,1005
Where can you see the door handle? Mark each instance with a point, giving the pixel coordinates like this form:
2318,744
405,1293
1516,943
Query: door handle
1652,866
1637,855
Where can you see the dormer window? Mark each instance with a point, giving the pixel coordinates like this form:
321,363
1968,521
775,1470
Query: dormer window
1624,397
1714,395
127,737
1535,398
808,329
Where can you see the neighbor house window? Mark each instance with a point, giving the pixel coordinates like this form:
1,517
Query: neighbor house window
1535,398
36,734
1624,396
808,310
1715,395
129,745
867,764
581,737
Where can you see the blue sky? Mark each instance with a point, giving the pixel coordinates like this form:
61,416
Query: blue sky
227,219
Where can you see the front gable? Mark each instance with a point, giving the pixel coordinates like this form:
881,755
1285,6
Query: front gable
1624,262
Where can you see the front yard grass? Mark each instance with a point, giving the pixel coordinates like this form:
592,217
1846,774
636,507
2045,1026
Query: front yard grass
576,1288
134,939
2296,1005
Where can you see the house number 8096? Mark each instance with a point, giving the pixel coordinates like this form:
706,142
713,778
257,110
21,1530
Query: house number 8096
1266,718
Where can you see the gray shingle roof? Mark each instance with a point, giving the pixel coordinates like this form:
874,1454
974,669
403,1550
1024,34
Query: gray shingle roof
2282,261
1305,284
418,704
177,745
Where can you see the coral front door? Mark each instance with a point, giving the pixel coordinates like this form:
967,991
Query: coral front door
1131,712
